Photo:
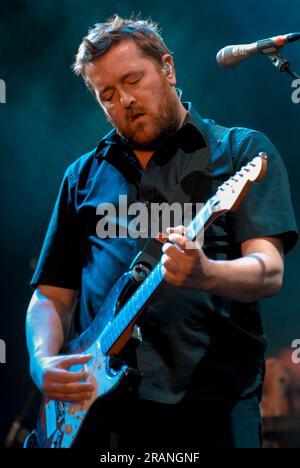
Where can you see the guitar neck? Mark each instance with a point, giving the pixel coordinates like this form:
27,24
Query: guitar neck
139,300
203,219
227,198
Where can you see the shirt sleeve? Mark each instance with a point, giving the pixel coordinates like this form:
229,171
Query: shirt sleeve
59,263
267,208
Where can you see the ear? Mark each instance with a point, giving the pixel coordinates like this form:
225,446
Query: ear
169,69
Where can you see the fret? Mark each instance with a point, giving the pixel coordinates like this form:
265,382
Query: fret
157,274
132,306
104,344
140,295
207,212
127,313
119,326
151,280
118,329
121,321
137,295
113,330
130,310
108,343
198,223
148,288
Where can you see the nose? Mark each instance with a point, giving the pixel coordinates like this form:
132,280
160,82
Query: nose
126,99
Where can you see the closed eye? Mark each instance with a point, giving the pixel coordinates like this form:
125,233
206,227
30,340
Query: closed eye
107,97
136,80
133,78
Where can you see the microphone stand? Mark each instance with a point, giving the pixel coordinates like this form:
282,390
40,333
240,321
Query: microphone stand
282,64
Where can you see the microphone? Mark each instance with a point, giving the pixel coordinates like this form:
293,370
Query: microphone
231,56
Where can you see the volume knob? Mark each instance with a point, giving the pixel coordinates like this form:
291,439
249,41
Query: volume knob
67,429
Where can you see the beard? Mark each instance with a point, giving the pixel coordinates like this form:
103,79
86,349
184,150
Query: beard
149,132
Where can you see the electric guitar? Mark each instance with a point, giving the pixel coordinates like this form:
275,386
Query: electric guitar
60,423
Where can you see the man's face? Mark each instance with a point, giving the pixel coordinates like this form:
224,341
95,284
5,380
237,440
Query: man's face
135,94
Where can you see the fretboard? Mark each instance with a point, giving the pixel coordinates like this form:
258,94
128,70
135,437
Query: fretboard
145,291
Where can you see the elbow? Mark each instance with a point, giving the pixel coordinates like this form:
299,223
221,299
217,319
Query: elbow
268,288
277,284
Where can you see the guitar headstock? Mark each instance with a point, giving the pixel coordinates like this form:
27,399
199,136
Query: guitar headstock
230,194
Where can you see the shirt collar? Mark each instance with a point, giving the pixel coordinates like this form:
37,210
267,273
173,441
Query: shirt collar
192,121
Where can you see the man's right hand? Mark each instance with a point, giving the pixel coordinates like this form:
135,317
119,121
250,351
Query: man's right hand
53,378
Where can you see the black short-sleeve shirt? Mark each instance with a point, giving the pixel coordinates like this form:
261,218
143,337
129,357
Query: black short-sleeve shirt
195,345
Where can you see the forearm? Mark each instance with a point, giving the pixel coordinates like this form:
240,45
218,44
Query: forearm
48,309
44,328
246,279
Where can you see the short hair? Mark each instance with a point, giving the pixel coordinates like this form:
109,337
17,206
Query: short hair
145,33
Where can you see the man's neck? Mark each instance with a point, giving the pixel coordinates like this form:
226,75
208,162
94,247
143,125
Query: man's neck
145,156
